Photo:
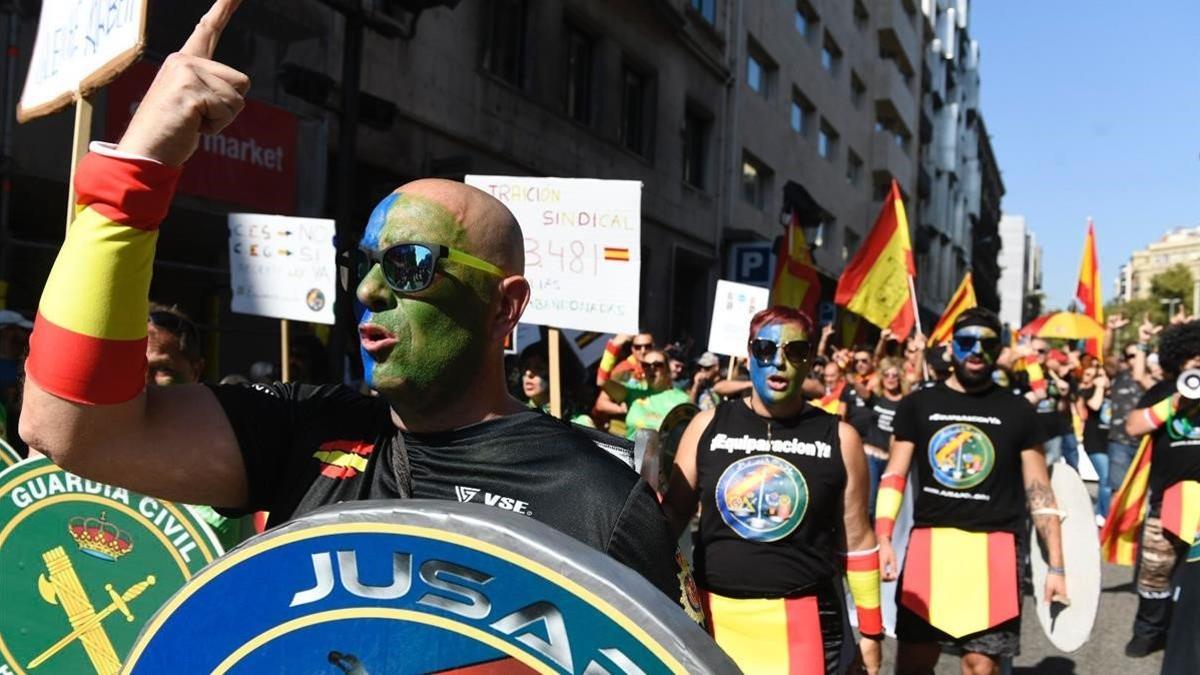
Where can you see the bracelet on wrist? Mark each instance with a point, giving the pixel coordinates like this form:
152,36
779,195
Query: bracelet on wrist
1057,571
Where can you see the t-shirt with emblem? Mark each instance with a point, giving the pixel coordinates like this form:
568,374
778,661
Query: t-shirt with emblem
967,456
770,502
883,410
307,446
1176,455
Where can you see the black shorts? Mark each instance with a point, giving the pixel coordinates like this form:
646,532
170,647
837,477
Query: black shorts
997,641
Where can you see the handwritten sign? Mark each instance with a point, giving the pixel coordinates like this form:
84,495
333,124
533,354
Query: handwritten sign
80,47
733,308
583,241
282,267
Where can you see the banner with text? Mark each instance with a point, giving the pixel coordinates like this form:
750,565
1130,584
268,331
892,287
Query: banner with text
251,163
80,47
282,267
733,308
583,241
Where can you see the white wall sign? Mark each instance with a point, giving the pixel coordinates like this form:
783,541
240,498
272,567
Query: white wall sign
583,240
80,47
282,267
733,308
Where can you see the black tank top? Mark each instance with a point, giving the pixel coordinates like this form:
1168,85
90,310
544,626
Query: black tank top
771,502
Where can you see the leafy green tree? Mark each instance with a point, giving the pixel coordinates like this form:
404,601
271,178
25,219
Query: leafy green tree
1174,282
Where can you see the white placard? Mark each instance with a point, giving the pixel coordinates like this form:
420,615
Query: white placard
80,47
733,308
282,267
583,240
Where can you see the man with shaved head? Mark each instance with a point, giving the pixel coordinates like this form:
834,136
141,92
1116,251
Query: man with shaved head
440,274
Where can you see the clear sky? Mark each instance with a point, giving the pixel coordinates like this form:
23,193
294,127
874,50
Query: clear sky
1094,110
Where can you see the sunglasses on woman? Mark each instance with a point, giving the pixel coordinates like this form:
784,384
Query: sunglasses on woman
763,350
409,267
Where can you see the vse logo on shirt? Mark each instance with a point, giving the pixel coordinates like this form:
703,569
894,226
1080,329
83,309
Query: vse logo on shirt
468,495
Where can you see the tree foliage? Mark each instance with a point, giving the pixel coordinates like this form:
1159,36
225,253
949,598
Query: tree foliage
1175,282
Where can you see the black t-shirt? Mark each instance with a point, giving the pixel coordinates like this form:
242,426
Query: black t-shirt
1097,423
884,411
967,458
1176,444
306,446
770,502
858,413
1053,412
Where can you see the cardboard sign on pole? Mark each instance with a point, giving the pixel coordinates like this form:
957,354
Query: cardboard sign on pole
80,47
282,267
582,248
733,307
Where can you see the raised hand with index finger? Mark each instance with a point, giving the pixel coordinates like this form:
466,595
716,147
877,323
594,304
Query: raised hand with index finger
191,95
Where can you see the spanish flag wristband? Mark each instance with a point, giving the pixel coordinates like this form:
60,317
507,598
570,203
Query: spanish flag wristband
1160,412
607,362
887,503
862,575
89,339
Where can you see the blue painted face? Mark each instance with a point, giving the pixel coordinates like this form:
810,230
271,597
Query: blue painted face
778,380
971,340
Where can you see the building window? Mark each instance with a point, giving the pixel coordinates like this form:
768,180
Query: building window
696,126
860,15
854,165
755,181
706,9
857,89
504,55
802,112
806,19
850,242
760,70
637,111
579,75
831,55
827,140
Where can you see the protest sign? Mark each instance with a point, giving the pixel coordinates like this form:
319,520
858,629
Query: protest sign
733,307
282,267
80,47
582,248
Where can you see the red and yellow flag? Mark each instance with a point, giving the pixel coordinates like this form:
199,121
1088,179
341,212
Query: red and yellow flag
768,635
796,282
1181,510
964,299
961,582
1119,538
1088,292
876,282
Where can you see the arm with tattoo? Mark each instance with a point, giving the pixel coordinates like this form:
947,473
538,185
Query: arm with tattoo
1042,506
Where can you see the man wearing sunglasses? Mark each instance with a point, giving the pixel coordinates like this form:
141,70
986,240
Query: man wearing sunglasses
781,488
442,284
976,451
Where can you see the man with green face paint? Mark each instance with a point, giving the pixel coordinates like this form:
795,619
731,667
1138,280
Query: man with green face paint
442,281
783,488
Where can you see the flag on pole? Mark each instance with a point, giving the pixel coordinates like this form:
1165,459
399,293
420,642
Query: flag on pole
1119,537
875,284
796,282
1088,292
964,299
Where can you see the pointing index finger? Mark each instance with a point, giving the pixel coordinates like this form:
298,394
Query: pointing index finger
203,40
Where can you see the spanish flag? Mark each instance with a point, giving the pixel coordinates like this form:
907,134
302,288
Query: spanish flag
876,283
964,299
343,459
796,283
768,636
1087,291
1119,538
1181,510
961,582
832,402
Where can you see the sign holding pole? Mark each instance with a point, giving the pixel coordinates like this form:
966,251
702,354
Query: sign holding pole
555,374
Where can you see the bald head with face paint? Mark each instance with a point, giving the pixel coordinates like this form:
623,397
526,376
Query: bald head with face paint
425,350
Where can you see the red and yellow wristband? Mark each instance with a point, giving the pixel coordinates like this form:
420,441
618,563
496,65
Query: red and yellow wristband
862,575
89,339
1160,412
887,503
607,362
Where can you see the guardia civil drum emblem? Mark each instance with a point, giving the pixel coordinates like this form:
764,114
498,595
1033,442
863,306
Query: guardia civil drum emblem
83,565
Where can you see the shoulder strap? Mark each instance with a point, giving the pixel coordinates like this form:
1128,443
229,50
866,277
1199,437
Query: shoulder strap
401,469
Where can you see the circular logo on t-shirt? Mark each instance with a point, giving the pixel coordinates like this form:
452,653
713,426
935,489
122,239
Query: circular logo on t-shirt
762,498
961,456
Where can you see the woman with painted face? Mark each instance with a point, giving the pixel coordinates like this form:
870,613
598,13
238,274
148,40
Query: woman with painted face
976,451
783,486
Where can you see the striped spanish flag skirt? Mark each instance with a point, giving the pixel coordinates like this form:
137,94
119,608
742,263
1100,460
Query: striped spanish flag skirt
958,582
783,636
1180,510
